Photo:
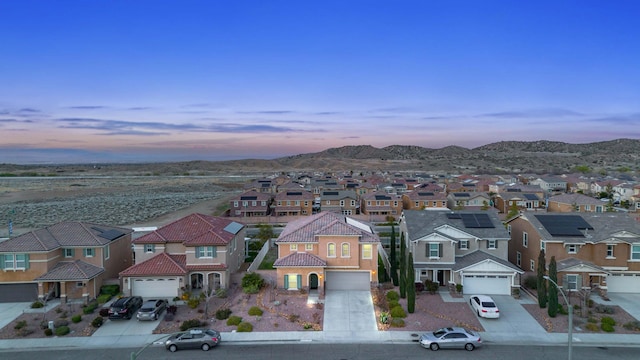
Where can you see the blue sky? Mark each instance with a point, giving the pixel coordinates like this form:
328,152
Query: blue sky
217,80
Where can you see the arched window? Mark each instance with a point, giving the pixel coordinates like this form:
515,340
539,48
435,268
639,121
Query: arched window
345,250
331,250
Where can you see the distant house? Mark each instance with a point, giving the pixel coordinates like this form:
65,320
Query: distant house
550,184
421,198
381,204
575,202
341,202
250,203
504,201
468,200
69,260
293,203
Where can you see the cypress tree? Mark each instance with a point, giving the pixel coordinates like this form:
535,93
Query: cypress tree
542,283
392,258
403,268
411,283
553,290
382,272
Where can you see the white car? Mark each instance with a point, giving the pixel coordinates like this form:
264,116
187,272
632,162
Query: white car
484,306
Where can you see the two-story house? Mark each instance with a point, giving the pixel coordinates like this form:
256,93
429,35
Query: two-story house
575,202
250,203
69,260
591,249
462,247
505,201
341,202
420,199
193,253
381,204
293,203
327,251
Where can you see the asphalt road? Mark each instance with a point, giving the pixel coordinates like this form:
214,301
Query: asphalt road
336,352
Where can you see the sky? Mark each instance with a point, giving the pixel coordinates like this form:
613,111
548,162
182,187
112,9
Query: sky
138,81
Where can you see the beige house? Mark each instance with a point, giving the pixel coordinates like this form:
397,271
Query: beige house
575,202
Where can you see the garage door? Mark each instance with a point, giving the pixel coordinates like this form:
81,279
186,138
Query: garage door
623,283
486,284
18,292
166,288
348,280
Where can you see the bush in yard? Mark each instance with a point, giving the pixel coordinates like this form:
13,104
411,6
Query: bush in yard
604,309
89,309
104,312
397,322
104,298
62,331
97,322
419,287
37,305
531,282
384,317
112,290
76,318
431,286
398,312
24,331
20,324
223,313
255,311
393,295
191,323
608,320
393,303
48,332
632,325
60,322
245,327
252,282
592,327
193,302
221,293
459,288
172,309
607,327
234,320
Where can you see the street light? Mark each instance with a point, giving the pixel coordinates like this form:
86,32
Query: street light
570,310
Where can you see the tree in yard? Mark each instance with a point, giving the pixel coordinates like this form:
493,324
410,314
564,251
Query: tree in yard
265,233
382,272
513,210
542,283
403,268
393,259
411,283
553,290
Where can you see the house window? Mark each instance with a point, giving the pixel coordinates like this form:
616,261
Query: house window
331,250
293,247
89,252
417,204
263,203
577,208
344,252
353,203
235,204
509,229
434,250
587,207
14,262
518,258
206,251
610,252
293,281
107,252
149,248
254,203
367,251
635,252
598,209
492,244
572,282
79,284
463,245
341,202
69,253
543,246
572,249
308,247
533,265
525,239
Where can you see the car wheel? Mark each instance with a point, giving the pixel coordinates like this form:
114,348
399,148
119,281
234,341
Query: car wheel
173,348
205,347
478,312
469,347
434,347
155,317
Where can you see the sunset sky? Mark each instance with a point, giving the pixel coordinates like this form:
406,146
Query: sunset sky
85,81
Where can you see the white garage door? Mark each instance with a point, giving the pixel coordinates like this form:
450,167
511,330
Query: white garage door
623,284
166,288
486,284
348,280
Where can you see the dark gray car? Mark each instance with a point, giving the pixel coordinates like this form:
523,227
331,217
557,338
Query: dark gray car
450,337
151,309
203,339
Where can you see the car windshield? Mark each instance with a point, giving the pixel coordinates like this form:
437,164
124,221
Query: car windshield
488,304
439,332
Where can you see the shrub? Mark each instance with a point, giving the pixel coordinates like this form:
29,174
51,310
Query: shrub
293,317
37,305
90,308
104,298
252,282
632,325
393,303
191,323
419,287
104,312
44,324
431,286
245,327
592,320
398,312
76,318
223,313
172,309
112,290
60,322
604,309
307,326
20,324
62,331
255,311
607,327
193,302
384,317
592,327
393,295
234,320
397,322
608,320
221,293
531,282
97,322
48,332
459,288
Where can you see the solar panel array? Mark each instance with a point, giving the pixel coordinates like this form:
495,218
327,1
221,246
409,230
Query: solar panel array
564,225
294,193
248,198
453,216
425,193
481,221
513,190
111,234
382,197
461,194
530,196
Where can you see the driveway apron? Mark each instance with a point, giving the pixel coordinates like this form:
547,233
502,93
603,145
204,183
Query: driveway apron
514,320
348,314
629,302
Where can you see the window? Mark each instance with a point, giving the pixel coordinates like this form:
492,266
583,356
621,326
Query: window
434,250
587,207
518,258
79,284
543,246
417,204
263,203
525,239
69,253
572,282
107,252
89,252
293,281
509,229
308,247
635,252
149,248
533,265
572,249
367,251
344,250
463,245
331,250
254,203
598,209
206,252
610,252
341,202
293,247
492,244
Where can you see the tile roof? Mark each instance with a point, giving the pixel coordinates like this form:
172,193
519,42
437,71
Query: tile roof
199,228
324,223
479,256
64,234
206,267
161,264
71,270
300,259
421,223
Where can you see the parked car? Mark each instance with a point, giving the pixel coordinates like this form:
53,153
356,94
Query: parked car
203,339
451,337
151,309
484,306
125,307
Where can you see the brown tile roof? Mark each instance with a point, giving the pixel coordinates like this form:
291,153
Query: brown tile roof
161,264
206,267
300,259
190,228
325,223
71,270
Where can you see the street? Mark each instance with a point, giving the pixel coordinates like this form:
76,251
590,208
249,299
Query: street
336,352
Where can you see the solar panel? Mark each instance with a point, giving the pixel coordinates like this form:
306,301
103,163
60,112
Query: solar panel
233,227
461,194
530,196
513,190
481,221
248,198
469,185
294,193
564,225
425,193
111,234
453,216
330,193
382,197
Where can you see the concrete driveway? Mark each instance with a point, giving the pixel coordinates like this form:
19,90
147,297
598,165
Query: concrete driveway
348,312
10,311
127,327
629,302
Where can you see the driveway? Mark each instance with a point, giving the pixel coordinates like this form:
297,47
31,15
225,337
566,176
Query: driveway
10,311
629,302
347,313
126,327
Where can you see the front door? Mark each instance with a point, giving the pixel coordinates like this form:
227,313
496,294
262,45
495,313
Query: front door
441,277
313,281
